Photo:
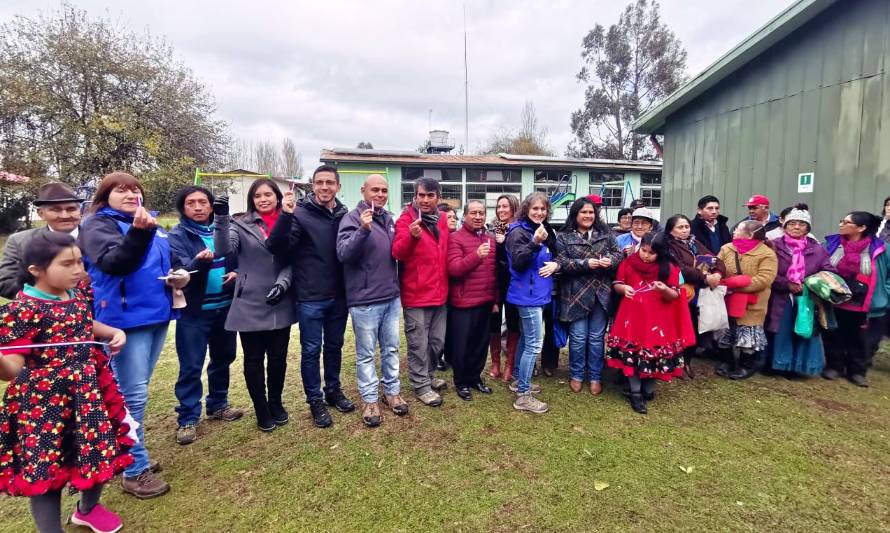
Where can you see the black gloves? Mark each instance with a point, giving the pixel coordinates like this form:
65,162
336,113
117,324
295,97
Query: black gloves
221,205
275,294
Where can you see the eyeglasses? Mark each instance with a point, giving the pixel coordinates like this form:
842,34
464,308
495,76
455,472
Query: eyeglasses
844,222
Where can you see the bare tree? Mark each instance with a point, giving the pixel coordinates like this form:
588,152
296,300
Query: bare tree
529,139
291,159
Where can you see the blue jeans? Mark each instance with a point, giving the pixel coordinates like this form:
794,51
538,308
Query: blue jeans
372,324
322,325
531,341
586,345
133,368
194,334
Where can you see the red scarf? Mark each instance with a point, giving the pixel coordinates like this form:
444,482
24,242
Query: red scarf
648,272
745,245
269,220
850,264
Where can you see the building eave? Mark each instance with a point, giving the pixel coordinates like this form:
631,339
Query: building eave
782,25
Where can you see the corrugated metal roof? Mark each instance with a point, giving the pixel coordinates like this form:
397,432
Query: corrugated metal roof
493,160
772,32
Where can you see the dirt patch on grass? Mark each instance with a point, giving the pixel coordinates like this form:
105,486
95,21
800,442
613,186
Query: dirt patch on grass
832,405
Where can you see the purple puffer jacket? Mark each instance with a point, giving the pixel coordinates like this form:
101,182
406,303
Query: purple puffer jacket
815,259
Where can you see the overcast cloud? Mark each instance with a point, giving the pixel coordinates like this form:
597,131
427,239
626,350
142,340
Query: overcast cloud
331,74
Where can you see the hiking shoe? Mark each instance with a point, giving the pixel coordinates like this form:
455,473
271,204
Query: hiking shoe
99,519
396,403
430,398
144,486
279,415
527,402
830,373
226,414
534,389
340,402
320,414
371,414
438,384
186,435
155,466
858,380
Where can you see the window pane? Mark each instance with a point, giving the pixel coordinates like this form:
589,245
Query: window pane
553,176
650,178
438,174
612,196
602,177
449,192
489,193
651,197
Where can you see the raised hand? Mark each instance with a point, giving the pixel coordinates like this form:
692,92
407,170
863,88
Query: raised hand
540,234
143,219
366,218
415,228
484,249
289,202
221,205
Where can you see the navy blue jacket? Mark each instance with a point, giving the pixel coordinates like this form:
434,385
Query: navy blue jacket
185,244
369,269
307,238
124,264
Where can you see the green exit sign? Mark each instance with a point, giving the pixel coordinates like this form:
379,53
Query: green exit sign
805,182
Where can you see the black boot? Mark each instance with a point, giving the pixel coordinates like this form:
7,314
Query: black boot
637,403
727,363
746,368
441,365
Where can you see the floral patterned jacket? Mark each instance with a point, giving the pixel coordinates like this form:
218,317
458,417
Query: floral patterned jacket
580,287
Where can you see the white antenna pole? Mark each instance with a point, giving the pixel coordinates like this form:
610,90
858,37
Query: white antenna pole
466,89
430,120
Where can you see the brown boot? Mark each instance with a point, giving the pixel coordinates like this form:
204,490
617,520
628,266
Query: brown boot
575,385
596,388
512,344
495,346
144,486
371,414
396,403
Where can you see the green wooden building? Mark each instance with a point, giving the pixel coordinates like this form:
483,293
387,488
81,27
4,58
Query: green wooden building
485,177
799,111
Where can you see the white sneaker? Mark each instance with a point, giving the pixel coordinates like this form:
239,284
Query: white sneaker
527,402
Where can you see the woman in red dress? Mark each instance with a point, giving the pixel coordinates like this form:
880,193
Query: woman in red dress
62,419
653,325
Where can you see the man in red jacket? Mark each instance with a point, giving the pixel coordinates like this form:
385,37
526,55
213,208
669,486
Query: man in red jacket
421,245
472,293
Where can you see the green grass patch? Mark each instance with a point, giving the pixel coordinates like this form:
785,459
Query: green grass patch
712,455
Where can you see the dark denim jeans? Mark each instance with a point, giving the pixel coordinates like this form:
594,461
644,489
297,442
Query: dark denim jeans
195,333
322,325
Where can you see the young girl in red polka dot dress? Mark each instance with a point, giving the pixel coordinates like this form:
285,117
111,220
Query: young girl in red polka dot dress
62,419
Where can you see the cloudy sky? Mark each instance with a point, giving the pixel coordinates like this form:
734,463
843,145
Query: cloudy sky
330,74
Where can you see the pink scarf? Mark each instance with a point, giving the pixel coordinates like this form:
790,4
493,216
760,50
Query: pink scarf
745,245
797,270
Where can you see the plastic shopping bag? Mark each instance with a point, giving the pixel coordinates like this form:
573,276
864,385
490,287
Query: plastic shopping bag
712,310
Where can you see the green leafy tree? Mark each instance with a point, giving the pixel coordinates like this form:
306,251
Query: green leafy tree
84,97
628,67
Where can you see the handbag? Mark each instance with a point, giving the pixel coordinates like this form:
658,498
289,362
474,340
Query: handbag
803,321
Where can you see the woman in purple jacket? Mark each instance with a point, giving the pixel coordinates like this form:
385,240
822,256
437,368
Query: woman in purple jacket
799,256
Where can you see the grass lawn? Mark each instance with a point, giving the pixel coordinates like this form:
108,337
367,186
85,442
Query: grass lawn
712,455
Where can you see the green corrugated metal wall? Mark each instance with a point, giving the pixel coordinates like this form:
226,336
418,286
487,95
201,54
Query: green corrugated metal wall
817,101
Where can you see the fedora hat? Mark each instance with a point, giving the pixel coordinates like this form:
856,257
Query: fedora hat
55,193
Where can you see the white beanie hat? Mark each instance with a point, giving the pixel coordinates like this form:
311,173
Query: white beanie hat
800,215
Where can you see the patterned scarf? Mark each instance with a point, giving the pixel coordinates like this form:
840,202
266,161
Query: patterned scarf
498,226
852,257
797,270
690,243
431,220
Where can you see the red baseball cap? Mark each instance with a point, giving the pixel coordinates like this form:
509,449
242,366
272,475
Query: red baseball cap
757,199
595,198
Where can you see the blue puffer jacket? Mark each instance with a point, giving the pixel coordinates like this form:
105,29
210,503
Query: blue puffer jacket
124,264
524,258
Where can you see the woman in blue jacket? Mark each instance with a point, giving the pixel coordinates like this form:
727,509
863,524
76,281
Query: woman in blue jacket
531,243
127,253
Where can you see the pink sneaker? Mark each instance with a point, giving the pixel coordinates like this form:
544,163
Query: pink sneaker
100,520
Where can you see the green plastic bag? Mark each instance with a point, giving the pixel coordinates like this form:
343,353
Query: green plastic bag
806,310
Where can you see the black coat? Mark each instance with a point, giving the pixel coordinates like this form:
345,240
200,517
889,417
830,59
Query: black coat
703,234
307,239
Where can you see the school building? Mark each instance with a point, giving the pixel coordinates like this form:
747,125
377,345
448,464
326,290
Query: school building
485,177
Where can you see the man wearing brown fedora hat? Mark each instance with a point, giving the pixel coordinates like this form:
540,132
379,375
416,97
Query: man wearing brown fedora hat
59,207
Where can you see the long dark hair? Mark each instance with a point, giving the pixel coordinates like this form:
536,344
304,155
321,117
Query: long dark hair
864,218
659,244
251,208
111,182
671,222
572,219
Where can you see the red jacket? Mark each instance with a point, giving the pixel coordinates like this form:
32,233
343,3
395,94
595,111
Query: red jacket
473,279
424,277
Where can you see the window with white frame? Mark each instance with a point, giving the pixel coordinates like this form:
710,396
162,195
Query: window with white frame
650,189
450,179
